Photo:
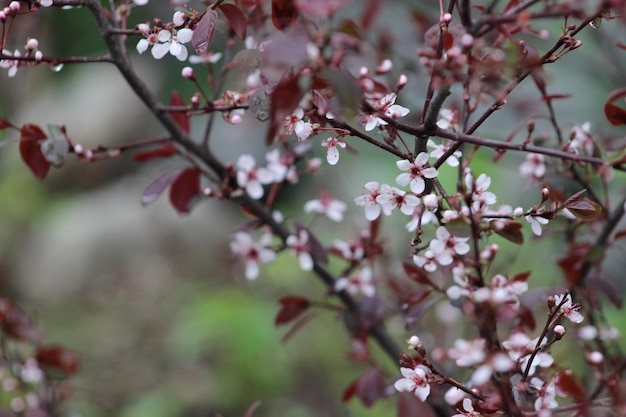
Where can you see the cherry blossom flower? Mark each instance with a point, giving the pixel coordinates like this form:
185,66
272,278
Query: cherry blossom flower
546,400
252,178
536,222
11,64
368,200
426,261
447,119
415,381
351,250
480,196
445,246
208,58
328,206
384,105
165,41
533,167
359,282
467,353
439,150
497,362
520,348
253,253
417,171
581,138
48,3
468,410
392,197
299,246
568,308
501,291
281,166
295,124
332,153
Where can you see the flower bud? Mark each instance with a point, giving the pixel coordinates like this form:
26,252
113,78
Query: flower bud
384,67
38,56
414,341
559,332
594,358
14,6
32,44
545,193
402,80
143,27
518,212
188,73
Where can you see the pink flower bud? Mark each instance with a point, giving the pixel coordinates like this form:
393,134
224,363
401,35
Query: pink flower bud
402,80
363,72
414,341
188,73
32,44
445,18
559,332
384,67
143,28
518,212
38,56
594,358
467,40
545,193
14,6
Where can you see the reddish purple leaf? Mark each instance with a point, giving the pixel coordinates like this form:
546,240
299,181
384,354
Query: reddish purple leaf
297,326
164,151
284,13
4,123
284,99
185,190
411,406
17,324
59,359
512,231
370,387
349,392
203,32
30,149
568,384
291,307
584,209
615,115
181,119
156,187
418,275
235,18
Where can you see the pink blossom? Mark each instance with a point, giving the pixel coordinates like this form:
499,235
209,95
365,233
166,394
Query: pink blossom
299,246
467,353
501,291
480,196
534,166
468,410
415,381
295,124
417,171
11,64
368,200
536,222
426,261
445,246
328,206
332,153
439,150
358,282
253,253
252,178
392,197
281,166
568,308
447,119
520,348
352,251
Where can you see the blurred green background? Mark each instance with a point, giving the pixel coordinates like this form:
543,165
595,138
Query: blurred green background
161,315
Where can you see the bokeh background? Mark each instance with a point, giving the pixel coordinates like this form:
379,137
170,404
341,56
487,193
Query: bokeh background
164,321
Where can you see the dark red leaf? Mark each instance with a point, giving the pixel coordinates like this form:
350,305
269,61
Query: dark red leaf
297,326
185,190
615,115
4,123
17,324
181,119
567,383
607,288
418,275
349,27
371,12
346,89
573,260
156,187
448,40
203,32
526,317
30,149
521,277
584,209
620,234
415,313
284,99
411,406
291,307
550,97
512,231
284,13
164,151
349,392
360,352
370,387
235,18
59,359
